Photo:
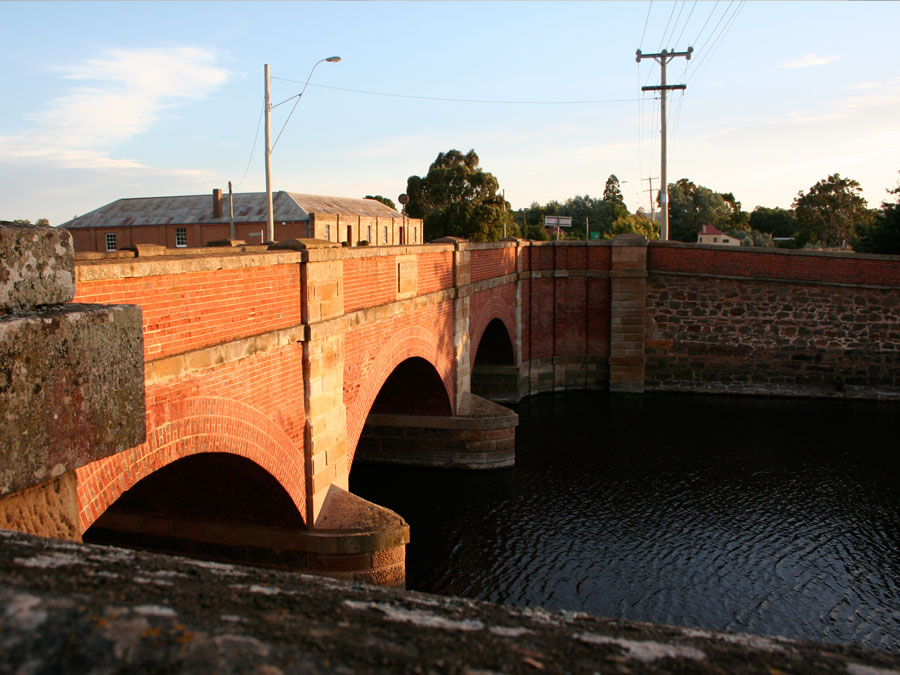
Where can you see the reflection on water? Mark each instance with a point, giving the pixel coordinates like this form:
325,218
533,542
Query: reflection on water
747,514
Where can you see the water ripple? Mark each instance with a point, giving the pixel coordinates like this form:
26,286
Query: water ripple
789,525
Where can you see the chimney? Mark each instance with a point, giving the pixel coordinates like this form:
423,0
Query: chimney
217,203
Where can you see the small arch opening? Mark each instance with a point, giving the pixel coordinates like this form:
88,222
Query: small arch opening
495,375
209,505
413,388
495,348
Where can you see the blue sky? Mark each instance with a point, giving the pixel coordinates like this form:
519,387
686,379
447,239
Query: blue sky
108,100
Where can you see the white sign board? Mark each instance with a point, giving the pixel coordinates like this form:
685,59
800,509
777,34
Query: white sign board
557,221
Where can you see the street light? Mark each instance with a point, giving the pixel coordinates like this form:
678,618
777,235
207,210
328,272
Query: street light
270,222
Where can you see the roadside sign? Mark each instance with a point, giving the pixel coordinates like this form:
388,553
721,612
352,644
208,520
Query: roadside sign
557,221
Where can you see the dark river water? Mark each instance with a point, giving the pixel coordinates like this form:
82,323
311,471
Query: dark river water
763,515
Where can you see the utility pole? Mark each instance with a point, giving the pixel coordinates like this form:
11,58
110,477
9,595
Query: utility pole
652,201
270,222
662,59
230,212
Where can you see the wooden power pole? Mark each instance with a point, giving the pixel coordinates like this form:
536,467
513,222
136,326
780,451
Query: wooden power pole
662,59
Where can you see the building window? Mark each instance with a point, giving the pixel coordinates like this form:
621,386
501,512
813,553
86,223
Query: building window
181,237
370,235
111,241
327,232
415,236
385,235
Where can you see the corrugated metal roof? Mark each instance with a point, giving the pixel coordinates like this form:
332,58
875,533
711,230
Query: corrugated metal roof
345,206
248,207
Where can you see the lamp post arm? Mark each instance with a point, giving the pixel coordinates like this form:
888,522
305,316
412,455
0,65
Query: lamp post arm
331,59
270,224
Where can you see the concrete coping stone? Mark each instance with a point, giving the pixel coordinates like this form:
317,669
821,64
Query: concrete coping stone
36,266
391,250
139,611
159,251
103,255
206,260
492,245
226,242
629,240
302,244
575,242
146,250
449,240
766,250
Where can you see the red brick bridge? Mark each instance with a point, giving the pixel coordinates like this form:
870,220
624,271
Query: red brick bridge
280,368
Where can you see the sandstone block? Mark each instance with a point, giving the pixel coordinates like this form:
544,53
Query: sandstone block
38,266
71,390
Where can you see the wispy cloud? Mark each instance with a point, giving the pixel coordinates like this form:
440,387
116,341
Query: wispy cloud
120,93
863,86
871,98
808,61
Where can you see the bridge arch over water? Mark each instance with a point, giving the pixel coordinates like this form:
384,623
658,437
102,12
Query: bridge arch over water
190,427
493,330
495,346
426,361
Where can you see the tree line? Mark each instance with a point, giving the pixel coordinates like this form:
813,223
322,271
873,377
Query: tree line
459,198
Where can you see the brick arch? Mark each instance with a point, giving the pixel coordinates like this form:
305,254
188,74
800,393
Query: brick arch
411,342
496,307
193,426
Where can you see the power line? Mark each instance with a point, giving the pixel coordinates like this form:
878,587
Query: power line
717,43
703,27
255,138
667,25
674,25
677,118
701,47
649,7
686,22
692,65
707,58
464,100
714,37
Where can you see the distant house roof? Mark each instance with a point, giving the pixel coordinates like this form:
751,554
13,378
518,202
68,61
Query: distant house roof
249,207
710,229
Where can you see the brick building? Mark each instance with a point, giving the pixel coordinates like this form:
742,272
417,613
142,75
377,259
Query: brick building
195,220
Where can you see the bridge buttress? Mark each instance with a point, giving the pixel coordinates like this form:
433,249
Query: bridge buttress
628,313
325,437
462,306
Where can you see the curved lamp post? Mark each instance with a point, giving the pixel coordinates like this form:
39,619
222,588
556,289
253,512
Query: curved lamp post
270,221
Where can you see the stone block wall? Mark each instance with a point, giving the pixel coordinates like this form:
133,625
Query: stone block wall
771,322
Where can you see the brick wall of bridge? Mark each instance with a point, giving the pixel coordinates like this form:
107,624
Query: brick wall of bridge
565,316
223,367
281,338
